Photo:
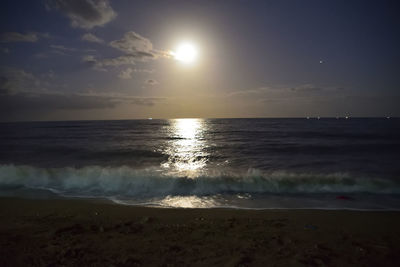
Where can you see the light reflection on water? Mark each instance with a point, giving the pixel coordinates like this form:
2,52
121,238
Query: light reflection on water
186,147
188,202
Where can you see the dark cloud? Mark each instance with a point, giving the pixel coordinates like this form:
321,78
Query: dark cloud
118,61
88,37
30,37
22,92
135,47
24,101
62,48
304,90
144,70
134,44
15,103
100,64
18,80
312,100
307,88
9,37
89,59
3,86
84,13
145,101
20,104
151,82
4,50
127,73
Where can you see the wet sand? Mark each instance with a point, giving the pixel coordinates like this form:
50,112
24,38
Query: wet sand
92,233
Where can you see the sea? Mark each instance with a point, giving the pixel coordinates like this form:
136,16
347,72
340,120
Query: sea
301,163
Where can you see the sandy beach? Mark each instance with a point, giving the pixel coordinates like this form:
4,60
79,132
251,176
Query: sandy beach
92,233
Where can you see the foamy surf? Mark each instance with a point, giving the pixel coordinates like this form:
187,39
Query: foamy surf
128,181
151,186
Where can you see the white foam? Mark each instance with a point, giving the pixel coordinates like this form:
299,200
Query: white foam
126,181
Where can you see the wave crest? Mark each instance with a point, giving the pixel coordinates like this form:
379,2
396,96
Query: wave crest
128,182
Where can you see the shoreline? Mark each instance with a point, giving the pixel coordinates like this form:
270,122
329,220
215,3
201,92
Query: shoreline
155,205
91,232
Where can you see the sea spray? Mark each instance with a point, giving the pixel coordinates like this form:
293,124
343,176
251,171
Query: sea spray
127,181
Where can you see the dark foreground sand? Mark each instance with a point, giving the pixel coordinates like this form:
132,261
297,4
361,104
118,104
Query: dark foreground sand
88,233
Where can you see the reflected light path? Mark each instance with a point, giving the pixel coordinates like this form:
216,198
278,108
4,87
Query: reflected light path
188,202
186,147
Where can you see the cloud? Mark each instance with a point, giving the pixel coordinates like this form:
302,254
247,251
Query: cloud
303,93
126,74
307,88
59,50
3,85
135,48
144,70
100,64
4,50
40,55
145,101
62,48
89,59
132,43
61,101
47,101
151,82
23,106
92,38
249,92
15,81
135,45
84,14
22,92
118,61
281,91
9,37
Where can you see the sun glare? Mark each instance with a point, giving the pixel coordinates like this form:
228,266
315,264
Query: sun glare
186,53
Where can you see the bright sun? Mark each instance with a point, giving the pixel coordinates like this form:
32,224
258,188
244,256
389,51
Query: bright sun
186,53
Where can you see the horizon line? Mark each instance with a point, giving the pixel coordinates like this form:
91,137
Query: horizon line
215,118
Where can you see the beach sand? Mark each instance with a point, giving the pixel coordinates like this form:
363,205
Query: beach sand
92,233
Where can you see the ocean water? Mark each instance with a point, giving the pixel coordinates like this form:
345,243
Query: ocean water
242,163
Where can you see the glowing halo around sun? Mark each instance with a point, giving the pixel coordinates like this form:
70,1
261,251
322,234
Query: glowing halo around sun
185,53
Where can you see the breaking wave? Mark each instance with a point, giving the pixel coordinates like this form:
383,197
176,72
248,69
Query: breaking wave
128,182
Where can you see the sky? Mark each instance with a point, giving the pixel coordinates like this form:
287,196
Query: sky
113,59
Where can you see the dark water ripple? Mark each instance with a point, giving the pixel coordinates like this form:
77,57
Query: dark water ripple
362,146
